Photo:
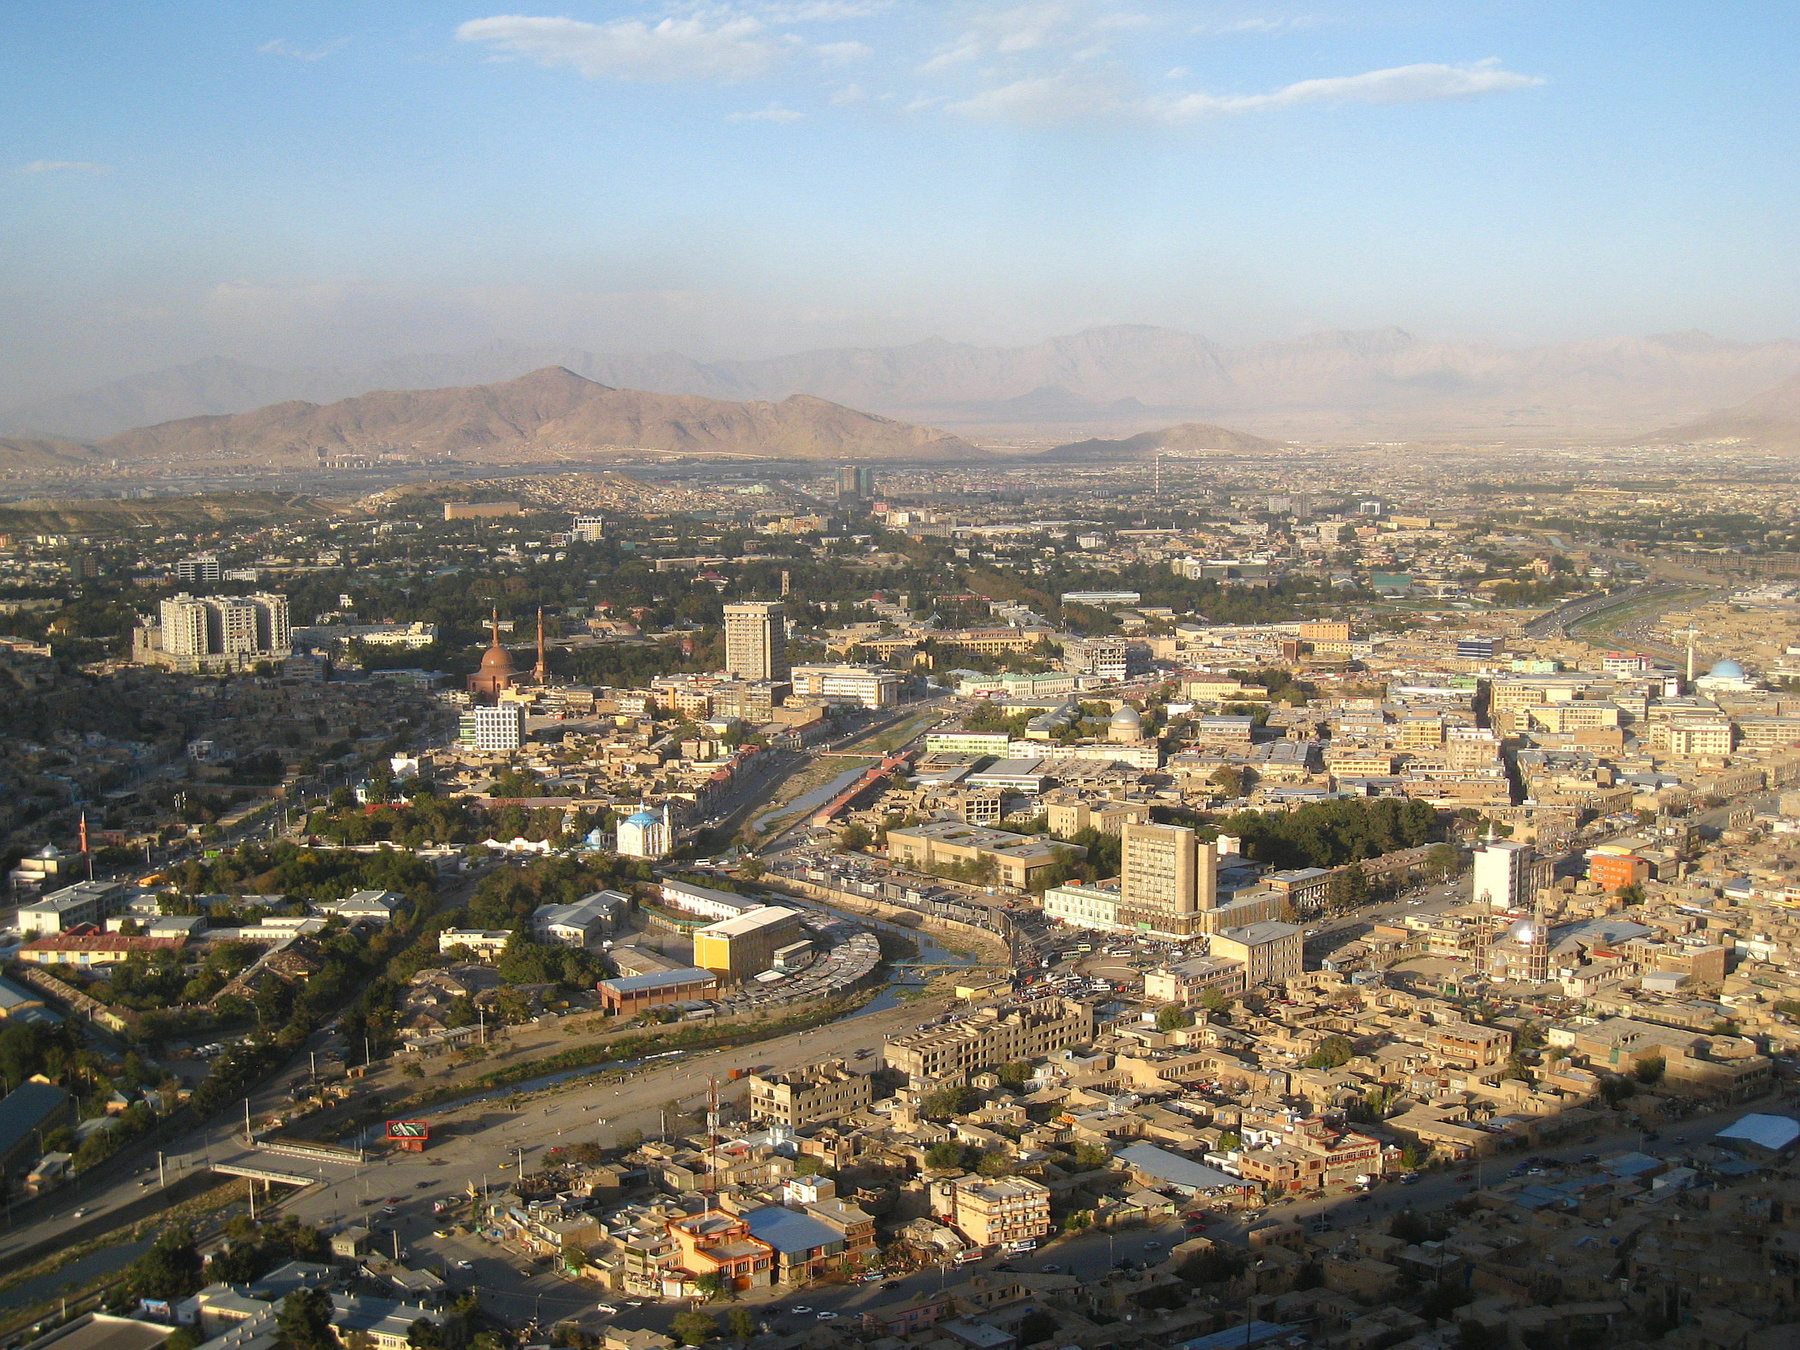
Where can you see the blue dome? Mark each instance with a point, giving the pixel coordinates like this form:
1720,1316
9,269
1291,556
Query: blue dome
1725,670
642,818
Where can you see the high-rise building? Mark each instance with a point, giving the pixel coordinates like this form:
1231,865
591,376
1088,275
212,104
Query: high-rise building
756,640
494,731
1502,874
202,568
855,482
588,529
218,630
1165,878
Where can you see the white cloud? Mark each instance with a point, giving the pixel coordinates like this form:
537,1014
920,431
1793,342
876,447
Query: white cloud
772,113
821,11
842,53
849,94
1282,25
1425,83
1045,99
282,47
1076,96
62,166
725,48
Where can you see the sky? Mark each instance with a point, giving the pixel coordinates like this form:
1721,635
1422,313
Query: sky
335,182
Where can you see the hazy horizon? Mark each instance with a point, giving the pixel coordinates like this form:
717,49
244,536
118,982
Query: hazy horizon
327,185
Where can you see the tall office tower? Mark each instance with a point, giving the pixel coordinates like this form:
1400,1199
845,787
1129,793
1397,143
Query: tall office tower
1166,878
184,626
855,482
756,640
589,529
1502,874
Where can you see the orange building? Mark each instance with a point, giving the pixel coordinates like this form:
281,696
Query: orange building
1612,870
719,1243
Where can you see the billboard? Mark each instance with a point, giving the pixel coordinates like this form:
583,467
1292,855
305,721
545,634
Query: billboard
408,1129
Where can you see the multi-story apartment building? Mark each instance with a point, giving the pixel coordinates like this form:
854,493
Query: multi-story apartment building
988,1036
993,1212
216,631
716,1243
756,640
1014,858
1186,982
86,902
807,1096
1502,874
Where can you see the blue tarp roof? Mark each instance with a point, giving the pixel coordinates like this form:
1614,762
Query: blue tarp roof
1771,1132
1172,1167
1235,1338
788,1230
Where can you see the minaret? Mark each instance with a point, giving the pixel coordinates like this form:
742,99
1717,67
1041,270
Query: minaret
1482,934
1539,966
542,674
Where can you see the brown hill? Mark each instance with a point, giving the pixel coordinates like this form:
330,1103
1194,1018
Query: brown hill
1186,436
550,414
25,454
1770,421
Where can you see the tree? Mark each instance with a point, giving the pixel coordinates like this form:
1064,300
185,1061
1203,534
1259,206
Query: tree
855,838
1037,1325
1215,1003
741,1322
1348,888
944,1155
709,1286
423,1334
1016,1074
1442,860
304,1322
1650,1070
1412,1157
1172,1017
952,1099
694,1327
1333,1052
751,869
1615,1089
1230,778
170,1269
1631,893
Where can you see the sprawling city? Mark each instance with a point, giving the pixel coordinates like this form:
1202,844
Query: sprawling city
603,747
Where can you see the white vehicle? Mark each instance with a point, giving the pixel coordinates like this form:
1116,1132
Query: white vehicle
607,1309
1022,1245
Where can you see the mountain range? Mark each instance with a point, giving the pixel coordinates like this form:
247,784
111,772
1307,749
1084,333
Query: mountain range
1333,386
1770,421
548,414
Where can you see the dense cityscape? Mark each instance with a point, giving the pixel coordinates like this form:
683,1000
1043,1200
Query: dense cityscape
1210,901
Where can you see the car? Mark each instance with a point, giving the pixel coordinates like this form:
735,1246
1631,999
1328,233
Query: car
606,1308
1004,1265
389,1209
890,1285
800,1308
80,1213
1050,1268
465,1265
826,1315
395,1199
1153,1246
440,1233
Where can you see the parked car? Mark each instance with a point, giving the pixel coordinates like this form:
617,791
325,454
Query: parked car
607,1309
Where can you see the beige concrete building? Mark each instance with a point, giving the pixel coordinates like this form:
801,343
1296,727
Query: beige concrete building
756,640
991,1213
1165,878
989,1036
810,1095
1269,952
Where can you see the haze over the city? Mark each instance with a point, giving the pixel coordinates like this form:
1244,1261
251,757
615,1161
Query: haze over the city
335,184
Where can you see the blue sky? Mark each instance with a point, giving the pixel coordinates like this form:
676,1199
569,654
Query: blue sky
287,183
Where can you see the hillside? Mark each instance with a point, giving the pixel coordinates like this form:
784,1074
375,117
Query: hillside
1770,421
20,454
1187,436
108,515
547,415
1335,385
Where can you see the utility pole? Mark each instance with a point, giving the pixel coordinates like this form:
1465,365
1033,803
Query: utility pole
161,1176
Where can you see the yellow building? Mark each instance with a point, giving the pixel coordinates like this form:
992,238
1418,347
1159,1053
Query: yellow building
736,949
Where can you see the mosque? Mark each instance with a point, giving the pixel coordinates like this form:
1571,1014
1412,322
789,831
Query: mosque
496,675
1726,677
